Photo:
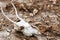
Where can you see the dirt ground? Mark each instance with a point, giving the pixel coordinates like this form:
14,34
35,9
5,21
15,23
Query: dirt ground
44,14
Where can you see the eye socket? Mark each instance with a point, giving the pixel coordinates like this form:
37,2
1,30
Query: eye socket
18,20
21,28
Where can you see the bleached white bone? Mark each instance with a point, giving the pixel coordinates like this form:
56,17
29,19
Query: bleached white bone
7,17
28,30
16,11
